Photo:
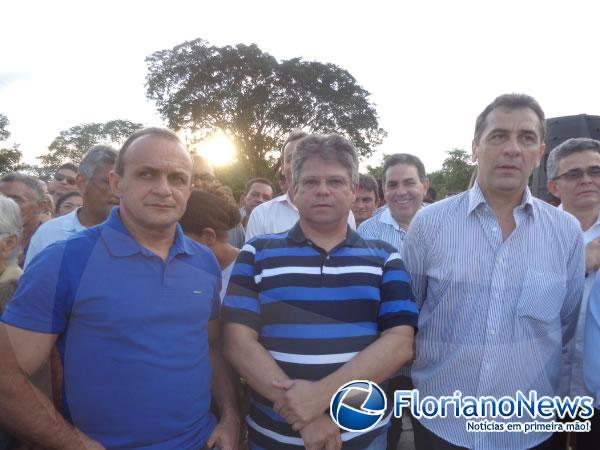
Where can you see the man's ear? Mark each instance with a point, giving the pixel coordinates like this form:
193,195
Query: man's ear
209,236
474,146
553,188
81,183
114,180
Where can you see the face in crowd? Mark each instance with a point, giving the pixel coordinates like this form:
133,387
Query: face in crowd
155,183
403,192
324,193
64,181
578,181
365,205
509,148
257,194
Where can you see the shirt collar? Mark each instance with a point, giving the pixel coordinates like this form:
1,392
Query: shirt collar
387,218
71,221
297,236
120,242
477,198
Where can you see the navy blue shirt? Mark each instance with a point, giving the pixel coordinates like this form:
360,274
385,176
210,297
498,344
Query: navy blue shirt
314,311
132,334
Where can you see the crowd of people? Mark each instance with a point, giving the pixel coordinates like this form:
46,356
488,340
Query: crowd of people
164,314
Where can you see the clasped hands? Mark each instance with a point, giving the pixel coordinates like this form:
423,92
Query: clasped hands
303,404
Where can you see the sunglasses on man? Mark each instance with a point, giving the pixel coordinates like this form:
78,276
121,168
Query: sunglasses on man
61,177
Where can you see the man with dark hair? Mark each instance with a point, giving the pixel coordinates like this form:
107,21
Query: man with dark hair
257,192
280,214
63,181
367,198
132,305
316,303
27,192
98,199
498,275
573,169
404,187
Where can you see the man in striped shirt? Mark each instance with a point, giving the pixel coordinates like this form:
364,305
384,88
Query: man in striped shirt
317,306
404,187
499,278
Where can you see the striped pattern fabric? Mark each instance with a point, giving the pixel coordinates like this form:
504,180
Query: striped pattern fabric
495,315
314,311
385,228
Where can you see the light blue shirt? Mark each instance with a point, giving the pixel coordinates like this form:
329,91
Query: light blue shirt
591,348
54,230
496,315
573,376
385,228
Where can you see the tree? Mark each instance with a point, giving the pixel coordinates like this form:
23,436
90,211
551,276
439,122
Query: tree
257,100
455,173
71,144
10,157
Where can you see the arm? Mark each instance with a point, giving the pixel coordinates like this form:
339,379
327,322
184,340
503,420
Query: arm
259,369
591,356
592,256
226,434
26,411
253,361
304,401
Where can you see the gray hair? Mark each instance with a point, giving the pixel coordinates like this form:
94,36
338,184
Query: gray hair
94,157
568,147
405,159
330,147
31,182
510,101
10,222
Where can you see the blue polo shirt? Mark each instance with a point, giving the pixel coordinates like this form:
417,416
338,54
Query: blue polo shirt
132,334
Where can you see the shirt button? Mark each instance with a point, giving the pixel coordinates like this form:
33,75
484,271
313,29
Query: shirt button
492,332
327,257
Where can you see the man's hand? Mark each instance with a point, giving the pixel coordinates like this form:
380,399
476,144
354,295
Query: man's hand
592,256
321,434
226,435
302,402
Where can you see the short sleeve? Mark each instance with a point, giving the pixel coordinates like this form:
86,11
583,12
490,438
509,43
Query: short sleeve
241,303
398,305
43,300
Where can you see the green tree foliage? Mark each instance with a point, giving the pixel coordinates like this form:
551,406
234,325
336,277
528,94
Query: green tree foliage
455,173
4,133
257,100
71,144
10,157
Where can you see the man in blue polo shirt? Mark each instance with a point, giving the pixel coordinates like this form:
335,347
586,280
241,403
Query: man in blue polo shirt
132,305
317,306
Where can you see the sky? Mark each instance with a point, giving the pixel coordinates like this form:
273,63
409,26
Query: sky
430,66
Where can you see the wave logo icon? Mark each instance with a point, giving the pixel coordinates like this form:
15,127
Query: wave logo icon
358,406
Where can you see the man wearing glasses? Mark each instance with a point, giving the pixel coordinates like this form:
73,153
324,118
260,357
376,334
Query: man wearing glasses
64,181
573,169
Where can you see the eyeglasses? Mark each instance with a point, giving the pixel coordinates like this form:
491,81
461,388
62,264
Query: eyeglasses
61,177
577,174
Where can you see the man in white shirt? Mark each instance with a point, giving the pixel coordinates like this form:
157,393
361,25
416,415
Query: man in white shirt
98,200
280,214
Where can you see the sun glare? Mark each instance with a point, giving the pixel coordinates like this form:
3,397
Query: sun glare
218,149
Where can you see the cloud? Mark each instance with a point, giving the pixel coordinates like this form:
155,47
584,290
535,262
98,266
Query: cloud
7,78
